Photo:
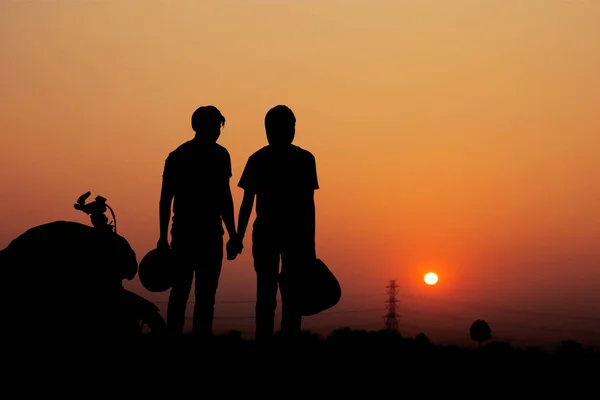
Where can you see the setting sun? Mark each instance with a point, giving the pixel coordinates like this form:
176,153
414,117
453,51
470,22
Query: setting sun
431,278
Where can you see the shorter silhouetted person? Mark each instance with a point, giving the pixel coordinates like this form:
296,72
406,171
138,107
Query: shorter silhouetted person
283,178
196,180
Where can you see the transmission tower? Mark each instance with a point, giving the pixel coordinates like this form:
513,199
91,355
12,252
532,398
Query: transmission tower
391,318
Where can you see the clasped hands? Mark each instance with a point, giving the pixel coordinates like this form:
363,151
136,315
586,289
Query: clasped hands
234,247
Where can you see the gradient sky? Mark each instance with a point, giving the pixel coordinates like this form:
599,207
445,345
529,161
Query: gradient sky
454,136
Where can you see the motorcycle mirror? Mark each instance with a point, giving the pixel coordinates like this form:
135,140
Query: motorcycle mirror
81,200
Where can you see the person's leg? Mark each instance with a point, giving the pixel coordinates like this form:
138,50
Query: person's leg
208,272
297,253
291,319
183,275
266,264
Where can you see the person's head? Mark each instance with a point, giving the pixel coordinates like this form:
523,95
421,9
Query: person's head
280,125
207,122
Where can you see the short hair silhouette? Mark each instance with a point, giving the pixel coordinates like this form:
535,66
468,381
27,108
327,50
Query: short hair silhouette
207,115
207,122
280,125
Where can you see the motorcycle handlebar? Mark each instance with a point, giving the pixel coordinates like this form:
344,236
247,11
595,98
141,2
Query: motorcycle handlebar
96,206
95,209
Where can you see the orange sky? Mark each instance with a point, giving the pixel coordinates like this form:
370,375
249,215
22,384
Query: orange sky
458,136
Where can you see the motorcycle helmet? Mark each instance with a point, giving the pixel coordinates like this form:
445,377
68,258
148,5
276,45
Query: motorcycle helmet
313,287
155,269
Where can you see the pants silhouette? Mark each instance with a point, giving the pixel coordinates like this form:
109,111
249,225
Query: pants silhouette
198,261
269,251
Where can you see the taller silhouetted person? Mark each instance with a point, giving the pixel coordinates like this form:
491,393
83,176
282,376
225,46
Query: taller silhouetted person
196,181
283,177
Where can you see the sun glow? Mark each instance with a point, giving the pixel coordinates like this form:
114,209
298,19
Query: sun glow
431,278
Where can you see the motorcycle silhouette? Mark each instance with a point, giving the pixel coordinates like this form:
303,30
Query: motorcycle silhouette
65,277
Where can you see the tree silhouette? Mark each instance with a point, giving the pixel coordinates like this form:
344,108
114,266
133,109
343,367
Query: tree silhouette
422,340
480,332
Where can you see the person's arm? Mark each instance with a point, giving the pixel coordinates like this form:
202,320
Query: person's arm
164,206
248,184
245,212
314,185
227,211
226,202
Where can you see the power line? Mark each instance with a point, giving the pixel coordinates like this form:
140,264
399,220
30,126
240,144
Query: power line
436,315
507,310
506,324
323,313
354,295
413,313
443,301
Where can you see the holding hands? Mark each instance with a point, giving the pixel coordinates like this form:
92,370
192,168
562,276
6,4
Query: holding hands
234,247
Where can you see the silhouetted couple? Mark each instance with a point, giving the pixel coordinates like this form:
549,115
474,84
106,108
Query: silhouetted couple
196,177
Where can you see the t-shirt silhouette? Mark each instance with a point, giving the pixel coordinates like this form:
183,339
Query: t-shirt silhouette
283,179
196,173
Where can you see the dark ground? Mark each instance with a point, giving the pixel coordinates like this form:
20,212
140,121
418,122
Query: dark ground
346,364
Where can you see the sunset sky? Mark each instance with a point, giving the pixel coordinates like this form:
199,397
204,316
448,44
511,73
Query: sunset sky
460,137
